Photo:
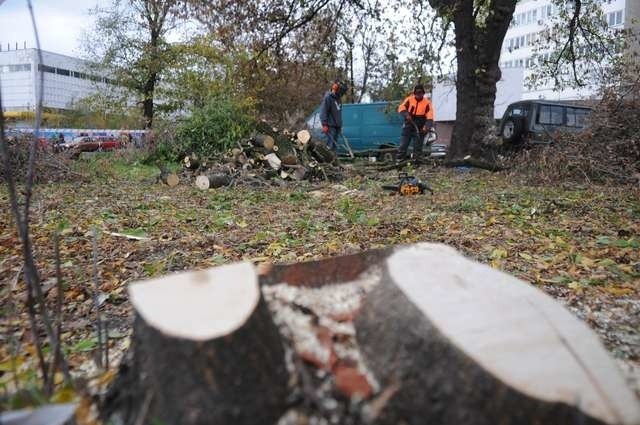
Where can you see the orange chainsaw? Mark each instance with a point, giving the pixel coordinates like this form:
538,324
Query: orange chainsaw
408,185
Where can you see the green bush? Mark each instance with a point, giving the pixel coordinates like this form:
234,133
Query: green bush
215,127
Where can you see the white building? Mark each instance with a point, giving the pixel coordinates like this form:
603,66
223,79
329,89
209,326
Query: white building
530,20
66,80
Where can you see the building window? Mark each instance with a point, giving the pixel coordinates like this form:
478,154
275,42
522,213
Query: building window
615,18
46,68
23,67
65,72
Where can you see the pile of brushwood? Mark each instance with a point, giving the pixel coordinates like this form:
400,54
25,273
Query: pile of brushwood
608,152
47,167
269,157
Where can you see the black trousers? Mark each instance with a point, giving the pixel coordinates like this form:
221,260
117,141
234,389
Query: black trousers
408,134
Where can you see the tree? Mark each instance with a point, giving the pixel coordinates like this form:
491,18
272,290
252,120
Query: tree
479,28
578,48
129,43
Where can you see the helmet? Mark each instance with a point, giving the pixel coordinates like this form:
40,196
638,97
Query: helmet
340,87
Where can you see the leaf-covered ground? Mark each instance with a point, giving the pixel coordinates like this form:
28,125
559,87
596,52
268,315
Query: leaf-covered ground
581,245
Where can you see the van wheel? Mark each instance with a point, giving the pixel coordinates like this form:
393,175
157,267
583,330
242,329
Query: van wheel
512,130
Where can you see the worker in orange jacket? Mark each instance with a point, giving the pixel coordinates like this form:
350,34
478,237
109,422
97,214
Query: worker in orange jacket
417,112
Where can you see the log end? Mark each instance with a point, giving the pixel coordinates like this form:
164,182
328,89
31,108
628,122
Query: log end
199,305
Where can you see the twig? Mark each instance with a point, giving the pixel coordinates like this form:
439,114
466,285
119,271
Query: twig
96,301
15,343
57,343
35,334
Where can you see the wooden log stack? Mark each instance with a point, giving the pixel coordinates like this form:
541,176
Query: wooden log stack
441,340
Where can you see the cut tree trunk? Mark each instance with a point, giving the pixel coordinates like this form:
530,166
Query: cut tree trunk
284,146
213,181
321,152
168,178
191,162
205,350
264,141
456,342
303,136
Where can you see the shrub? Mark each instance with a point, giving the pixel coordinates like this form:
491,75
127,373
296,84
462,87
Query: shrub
215,127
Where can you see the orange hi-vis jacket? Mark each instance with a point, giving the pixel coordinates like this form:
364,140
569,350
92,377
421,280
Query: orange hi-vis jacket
417,109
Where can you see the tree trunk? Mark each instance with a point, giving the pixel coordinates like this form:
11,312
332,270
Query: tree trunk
147,103
205,350
478,46
456,342
213,181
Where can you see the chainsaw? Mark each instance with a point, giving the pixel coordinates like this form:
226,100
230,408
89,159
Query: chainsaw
408,185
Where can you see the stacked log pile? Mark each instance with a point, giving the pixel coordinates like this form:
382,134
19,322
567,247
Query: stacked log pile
269,155
411,335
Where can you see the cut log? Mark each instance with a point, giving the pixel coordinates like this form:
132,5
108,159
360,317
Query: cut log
167,177
191,162
264,141
240,158
462,343
321,152
303,136
273,160
205,350
213,181
170,179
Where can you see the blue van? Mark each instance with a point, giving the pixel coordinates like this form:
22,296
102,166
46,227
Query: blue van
368,127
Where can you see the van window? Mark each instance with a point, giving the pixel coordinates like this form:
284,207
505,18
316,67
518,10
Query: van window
519,111
576,117
550,115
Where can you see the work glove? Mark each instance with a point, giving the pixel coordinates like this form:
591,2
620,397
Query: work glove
325,129
409,119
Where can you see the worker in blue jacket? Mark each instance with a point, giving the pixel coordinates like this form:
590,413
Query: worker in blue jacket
331,113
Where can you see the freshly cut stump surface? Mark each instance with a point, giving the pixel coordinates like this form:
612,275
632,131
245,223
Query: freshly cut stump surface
205,351
460,342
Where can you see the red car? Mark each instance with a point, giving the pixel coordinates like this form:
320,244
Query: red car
92,144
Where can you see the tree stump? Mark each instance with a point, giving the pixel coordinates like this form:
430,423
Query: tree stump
456,342
205,350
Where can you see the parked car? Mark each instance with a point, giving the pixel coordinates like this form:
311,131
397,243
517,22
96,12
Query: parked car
536,121
91,144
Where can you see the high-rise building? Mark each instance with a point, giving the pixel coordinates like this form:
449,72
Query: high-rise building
66,79
530,20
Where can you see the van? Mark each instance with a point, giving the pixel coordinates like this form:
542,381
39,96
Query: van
371,129
538,121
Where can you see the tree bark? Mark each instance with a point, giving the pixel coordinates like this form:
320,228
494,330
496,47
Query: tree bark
213,181
205,350
147,102
478,42
456,342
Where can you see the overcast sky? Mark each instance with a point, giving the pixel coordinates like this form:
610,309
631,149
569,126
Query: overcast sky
60,23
